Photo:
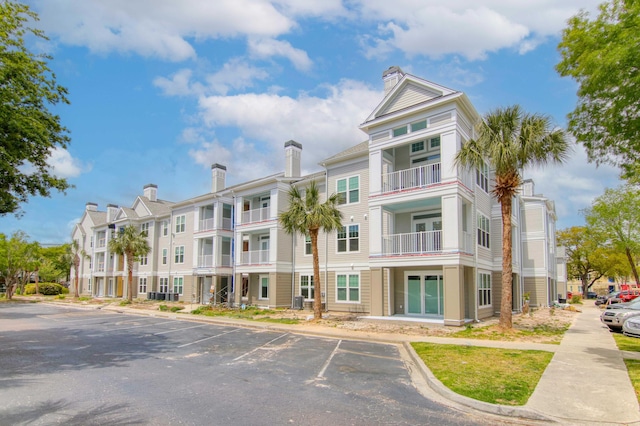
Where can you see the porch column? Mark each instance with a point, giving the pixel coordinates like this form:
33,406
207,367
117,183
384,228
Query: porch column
377,292
375,172
375,231
453,295
451,225
448,144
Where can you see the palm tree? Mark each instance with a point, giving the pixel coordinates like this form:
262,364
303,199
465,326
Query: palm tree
74,254
510,140
132,244
308,216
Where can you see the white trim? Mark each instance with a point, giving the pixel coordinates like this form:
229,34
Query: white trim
348,274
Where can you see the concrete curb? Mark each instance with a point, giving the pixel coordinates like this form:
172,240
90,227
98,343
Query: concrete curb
501,410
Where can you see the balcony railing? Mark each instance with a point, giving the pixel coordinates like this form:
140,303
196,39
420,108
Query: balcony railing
205,261
100,267
206,224
226,223
102,242
412,243
468,242
416,177
256,215
255,257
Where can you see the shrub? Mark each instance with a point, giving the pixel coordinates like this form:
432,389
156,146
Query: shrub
163,308
48,289
60,296
125,303
576,298
176,308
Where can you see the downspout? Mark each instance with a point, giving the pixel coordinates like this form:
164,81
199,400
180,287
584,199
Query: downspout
233,250
472,225
326,246
293,264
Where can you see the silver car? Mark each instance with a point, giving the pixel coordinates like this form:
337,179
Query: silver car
615,318
631,327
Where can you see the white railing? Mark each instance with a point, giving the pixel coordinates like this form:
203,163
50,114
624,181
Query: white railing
468,246
255,215
225,260
412,243
255,257
205,261
226,223
100,267
206,224
416,177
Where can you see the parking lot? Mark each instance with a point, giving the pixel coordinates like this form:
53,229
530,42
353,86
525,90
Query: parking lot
71,366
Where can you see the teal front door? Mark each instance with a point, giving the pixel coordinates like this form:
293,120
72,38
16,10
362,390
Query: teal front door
425,295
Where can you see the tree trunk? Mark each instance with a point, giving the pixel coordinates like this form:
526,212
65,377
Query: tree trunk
317,288
506,304
130,278
633,264
37,281
9,290
76,267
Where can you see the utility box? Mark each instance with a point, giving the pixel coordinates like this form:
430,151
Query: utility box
298,302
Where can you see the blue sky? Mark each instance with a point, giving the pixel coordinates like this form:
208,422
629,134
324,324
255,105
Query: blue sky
162,89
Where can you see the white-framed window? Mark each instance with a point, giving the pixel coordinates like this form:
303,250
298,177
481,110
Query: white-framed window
165,255
399,131
417,147
264,287
142,285
419,125
347,287
178,284
89,285
349,239
165,228
163,285
307,245
482,177
179,254
348,190
181,223
144,260
434,142
483,230
306,286
145,228
484,289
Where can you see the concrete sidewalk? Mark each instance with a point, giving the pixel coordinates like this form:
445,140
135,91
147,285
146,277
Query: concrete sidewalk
587,380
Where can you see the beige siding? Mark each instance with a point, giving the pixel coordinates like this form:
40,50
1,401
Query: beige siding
537,289
409,95
282,288
362,307
533,220
496,290
533,254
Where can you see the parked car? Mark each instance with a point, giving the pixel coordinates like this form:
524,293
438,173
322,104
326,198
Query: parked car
592,295
602,300
628,295
623,305
615,318
631,327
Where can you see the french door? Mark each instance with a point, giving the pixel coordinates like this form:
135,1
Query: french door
424,294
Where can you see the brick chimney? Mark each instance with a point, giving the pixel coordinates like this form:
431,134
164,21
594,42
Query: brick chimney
292,153
218,176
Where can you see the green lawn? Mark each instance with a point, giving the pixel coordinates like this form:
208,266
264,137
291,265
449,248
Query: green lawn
497,376
632,344
250,313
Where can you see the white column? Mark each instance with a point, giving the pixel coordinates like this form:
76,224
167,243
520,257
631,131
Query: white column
451,223
448,150
375,231
375,172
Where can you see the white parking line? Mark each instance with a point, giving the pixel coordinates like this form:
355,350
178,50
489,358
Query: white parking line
207,338
328,361
104,333
178,329
259,347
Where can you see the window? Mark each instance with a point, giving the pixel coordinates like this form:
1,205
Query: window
89,285
419,125
178,283
165,228
434,142
145,228
165,254
164,285
142,285
264,287
484,289
417,147
91,242
483,231
349,239
180,223
307,245
482,177
306,286
179,258
348,190
348,288
399,131
144,260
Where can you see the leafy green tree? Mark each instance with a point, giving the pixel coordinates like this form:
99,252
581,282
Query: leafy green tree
29,131
30,264
511,140
74,255
12,260
616,214
602,55
308,216
132,244
589,255
55,264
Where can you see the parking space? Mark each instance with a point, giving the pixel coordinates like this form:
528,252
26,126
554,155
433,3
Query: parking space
189,371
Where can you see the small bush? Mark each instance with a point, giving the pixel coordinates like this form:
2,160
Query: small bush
176,308
60,296
83,298
48,289
125,303
163,308
576,298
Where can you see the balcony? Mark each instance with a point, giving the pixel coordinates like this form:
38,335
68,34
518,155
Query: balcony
206,224
255,215
102,242
427,242
417,177
100,267
206,261
255,257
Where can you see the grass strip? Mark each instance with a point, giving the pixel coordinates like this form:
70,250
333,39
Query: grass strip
553,333
626,343
497,376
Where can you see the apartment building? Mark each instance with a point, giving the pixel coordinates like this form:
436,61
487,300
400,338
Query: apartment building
421,237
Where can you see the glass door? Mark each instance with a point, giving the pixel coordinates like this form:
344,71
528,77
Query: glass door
425,295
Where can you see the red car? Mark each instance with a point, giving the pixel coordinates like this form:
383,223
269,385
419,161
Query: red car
628,295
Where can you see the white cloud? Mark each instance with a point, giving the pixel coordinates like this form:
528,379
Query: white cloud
574,185
323,125
266,48
64,165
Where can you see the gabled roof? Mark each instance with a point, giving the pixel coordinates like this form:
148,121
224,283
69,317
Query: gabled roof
154,208
348,153
98,218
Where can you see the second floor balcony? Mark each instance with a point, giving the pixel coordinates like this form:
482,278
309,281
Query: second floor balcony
416,177
418,243
255,257
208,261
256,215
